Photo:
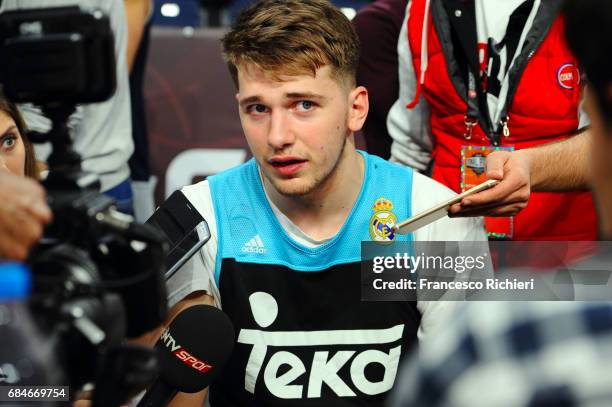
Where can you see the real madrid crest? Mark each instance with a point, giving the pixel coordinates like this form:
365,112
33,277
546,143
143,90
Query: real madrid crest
382,222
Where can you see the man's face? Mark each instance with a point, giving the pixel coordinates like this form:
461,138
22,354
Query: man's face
296,128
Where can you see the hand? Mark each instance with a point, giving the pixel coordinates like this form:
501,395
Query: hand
508,197
23,214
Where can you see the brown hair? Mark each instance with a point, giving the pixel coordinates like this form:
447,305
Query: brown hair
292,37
31,170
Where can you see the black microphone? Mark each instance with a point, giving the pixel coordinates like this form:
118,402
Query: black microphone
191,352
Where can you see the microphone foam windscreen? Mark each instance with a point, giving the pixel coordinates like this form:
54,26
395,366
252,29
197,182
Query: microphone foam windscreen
194,348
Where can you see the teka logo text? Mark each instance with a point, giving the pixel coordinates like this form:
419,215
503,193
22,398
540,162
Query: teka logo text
326,362
182,354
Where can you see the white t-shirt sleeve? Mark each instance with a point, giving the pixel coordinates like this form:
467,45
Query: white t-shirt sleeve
198,274
583,117
409,128
426,193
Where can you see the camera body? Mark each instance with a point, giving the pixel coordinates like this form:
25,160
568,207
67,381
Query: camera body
57,54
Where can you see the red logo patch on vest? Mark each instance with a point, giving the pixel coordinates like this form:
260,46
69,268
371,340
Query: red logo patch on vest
568,76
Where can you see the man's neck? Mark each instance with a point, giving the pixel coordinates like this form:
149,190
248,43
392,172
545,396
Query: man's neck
322,213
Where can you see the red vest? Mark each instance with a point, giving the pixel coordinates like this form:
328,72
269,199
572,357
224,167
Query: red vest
543,110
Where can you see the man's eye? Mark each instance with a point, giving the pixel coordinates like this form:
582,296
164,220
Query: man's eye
257,109
305,105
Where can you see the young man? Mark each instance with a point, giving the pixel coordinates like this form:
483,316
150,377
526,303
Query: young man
284,258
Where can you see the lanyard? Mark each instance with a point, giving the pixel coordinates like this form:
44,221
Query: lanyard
471,117
516,25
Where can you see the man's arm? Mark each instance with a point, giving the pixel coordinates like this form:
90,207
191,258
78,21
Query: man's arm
23,214
103,132
136,12
409,128
561,166
554,167
425,192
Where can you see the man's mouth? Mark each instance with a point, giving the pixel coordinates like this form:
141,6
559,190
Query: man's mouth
287,165
285,161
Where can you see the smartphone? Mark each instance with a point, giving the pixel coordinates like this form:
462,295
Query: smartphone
184,228
439,211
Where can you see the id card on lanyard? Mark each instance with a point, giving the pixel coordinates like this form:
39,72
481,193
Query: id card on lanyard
473,168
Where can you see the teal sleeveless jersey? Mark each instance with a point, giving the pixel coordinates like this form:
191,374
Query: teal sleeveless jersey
303,335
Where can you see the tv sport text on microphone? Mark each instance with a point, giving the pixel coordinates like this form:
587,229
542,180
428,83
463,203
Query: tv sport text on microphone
191,352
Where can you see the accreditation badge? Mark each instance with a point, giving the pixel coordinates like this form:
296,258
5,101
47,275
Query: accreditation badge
473,167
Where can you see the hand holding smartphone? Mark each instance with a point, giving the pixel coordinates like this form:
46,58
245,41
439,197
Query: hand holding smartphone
439,211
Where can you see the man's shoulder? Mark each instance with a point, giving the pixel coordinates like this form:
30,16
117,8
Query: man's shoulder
202,190
379,164
199,196
197,188
430,189
233,172
426,193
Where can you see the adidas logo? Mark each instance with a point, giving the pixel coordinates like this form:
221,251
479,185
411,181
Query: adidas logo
255,245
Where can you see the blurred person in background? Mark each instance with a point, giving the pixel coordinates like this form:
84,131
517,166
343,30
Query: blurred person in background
479,76
378,26
102,132
17,153
23,206
139,18
536,353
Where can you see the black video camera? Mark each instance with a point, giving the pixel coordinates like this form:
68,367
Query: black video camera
97,276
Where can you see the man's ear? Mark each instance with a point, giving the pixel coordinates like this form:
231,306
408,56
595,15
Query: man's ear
358,108
237,96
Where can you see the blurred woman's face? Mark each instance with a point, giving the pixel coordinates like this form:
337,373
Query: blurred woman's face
12,150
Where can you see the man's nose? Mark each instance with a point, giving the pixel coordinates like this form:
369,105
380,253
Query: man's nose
280,134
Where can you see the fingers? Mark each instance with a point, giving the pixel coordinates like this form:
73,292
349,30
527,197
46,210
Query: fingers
9,249
512,193
505,206
23,214
495,164
508,191
40,211
25,194
454,209
32,198
507,198
493,210
19,232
